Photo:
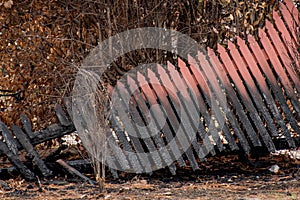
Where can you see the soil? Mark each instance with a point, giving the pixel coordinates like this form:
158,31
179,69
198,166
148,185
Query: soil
221,177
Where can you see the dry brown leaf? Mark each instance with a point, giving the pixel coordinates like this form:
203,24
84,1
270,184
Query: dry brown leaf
8,4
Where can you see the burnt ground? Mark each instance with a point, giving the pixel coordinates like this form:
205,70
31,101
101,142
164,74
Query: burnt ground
221,177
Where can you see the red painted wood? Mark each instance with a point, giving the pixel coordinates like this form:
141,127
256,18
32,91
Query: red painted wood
232,71
231,95
135,141
271,53
131,104
231,68
279,70
211,74
178,82
150,141
147,91
290,21
171,89
137,99
266,68
161,94
282,28
262,60
239,85
164,91
165,79
190,82
147,94
191,112
253,67
286,37
198,76
252,63
293,10
254,92
151,98
283,54
193,86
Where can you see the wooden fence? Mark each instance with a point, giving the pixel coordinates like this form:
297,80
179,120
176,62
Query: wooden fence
261,78
261,82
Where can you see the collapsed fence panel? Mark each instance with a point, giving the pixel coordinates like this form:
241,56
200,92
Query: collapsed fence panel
240,97
259,83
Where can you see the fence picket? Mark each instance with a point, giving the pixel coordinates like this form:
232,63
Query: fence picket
291,22
266,68
272,55
293,10
122,90
254,92
283,54
246,99
162,96
287,40
165,79
266,93
238,108
156,115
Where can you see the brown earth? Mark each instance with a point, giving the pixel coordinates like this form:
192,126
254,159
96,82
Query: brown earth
222,177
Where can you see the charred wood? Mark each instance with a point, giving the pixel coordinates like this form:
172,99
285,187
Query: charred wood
24,140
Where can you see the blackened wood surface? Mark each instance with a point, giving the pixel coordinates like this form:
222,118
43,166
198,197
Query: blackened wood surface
14,159
8,138
24,140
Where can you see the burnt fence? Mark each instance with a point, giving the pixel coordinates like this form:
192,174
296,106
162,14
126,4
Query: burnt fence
261,82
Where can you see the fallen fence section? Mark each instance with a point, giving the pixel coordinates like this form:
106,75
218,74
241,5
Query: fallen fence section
26,139
260,80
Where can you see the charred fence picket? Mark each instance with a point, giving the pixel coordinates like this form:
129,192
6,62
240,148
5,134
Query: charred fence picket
261,82
25,138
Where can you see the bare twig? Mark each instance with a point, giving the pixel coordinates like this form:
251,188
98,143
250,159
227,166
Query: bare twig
74,171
